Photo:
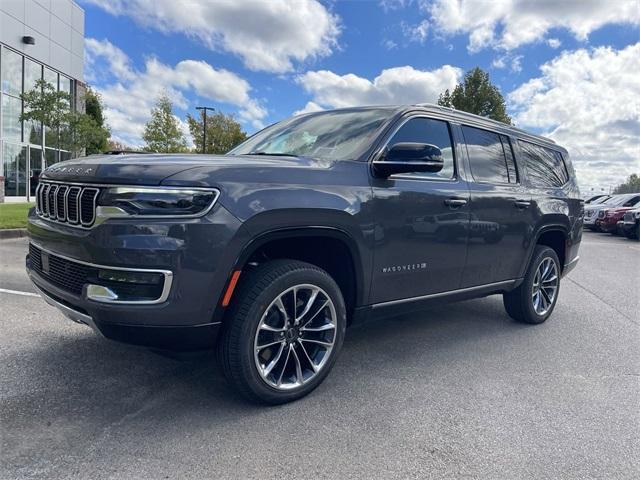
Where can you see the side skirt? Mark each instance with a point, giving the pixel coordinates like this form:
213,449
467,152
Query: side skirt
407,305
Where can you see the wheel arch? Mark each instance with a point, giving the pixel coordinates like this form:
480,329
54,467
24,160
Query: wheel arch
554,236
330,248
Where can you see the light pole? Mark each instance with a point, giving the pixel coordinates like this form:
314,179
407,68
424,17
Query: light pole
204,126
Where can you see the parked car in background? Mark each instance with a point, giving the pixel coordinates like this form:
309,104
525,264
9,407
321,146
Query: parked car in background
592,211
608,218
596,199
631,223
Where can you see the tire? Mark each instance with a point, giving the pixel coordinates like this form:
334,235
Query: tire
520,302
256,318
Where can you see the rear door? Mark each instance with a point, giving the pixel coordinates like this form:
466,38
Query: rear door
501,214
421,220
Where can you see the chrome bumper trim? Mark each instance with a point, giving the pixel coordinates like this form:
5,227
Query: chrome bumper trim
166,287
68,312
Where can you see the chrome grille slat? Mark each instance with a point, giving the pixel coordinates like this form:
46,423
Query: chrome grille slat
51,211
73,197
69,204
61,207
88,210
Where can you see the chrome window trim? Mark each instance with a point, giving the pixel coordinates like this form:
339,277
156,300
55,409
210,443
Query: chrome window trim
166,287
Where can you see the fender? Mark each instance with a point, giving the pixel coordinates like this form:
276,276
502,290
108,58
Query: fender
362,276
546,228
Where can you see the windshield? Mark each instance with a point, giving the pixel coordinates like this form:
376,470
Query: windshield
334,135
600,200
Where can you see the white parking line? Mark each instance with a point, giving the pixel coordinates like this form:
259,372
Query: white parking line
18,292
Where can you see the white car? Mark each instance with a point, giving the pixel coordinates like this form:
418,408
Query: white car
592,210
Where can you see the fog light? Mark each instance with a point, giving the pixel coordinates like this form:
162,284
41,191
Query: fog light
100,293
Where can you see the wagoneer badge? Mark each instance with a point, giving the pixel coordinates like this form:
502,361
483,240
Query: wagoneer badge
404,268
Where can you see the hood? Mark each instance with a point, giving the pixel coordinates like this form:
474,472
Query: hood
152,169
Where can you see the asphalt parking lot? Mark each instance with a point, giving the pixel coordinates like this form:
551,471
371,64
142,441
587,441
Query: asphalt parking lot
458,391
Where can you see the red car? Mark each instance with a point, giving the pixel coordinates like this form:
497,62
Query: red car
608,218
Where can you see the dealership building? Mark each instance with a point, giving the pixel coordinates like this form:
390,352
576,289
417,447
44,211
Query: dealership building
39,39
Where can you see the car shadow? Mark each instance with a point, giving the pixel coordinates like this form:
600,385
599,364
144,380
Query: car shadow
86,387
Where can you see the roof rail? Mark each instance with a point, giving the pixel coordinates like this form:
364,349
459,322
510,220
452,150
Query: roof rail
124,152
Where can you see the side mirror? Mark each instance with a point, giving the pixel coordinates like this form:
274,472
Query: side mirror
407,157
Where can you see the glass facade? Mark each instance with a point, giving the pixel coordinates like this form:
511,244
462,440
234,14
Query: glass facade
26,148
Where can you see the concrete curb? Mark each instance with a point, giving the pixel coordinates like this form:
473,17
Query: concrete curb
12,233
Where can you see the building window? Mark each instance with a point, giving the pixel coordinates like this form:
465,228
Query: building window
32,73
14,159
11,72
11,126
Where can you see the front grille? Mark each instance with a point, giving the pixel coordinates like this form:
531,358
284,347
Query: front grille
71,204
63,273
628,217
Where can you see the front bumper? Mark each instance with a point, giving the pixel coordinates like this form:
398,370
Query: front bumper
199,253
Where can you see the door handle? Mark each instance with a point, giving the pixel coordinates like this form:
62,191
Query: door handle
522,204
455,202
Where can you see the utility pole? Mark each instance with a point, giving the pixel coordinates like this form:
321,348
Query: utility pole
204,126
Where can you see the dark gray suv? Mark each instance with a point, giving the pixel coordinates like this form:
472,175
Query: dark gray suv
267,253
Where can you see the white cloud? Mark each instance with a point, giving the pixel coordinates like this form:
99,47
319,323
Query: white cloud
554,42
267,35
309,108
513,62
399,85
588,101
416,33
507,24
388,5
129,94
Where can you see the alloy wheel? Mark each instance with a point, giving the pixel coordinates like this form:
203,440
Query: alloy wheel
295,337
545,286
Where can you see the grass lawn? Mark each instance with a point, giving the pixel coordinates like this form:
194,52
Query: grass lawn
14,215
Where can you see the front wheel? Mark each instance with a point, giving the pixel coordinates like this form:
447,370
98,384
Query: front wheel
283,332
534,300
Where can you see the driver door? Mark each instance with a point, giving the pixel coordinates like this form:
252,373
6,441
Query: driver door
421,221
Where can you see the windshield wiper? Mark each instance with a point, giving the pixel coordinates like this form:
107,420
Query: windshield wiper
270,154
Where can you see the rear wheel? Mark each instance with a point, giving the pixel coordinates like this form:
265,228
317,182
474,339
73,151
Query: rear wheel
534,300
284,331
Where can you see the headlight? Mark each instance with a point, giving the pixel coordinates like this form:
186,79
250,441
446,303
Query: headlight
155,202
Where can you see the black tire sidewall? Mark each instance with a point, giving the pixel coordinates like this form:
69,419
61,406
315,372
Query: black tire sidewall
254,381
540,254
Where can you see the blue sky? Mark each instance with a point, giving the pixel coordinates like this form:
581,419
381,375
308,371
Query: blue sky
568,69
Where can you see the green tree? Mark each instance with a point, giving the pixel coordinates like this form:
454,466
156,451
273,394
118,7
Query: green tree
98,141
476,94
73,131
162,133
45,104
632,185
223,132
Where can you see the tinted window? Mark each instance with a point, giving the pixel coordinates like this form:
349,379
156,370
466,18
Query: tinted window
487,156
434,132
545,167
